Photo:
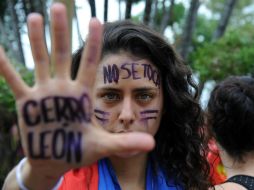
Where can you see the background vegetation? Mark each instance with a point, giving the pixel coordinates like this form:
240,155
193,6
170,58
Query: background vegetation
215,37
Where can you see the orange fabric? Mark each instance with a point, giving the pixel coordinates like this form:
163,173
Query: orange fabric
217,171
86,178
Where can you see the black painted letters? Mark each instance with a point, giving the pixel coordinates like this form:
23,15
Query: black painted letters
57,109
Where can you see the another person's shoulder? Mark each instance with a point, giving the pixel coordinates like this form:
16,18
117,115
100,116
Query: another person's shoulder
229,186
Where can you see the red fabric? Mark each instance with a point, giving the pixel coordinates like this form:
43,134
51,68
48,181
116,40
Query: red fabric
217,172
86,178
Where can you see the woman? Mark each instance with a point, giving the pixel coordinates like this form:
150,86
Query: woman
230,120
141,85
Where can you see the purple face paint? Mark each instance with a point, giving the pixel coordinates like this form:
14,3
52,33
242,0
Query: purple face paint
151,74
110,73
134,71
149,111
125,68
147,115
130,70
102,116
147,118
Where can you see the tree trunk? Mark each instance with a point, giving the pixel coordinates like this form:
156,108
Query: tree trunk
128,9
225,16
154,13
43,11
105,10
189,29
31,6
147,13
93,8
4,36
41,8
119,10
17,33
25,7
163,6
167,15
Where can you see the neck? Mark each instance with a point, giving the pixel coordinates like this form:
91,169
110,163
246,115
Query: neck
130,172
233,167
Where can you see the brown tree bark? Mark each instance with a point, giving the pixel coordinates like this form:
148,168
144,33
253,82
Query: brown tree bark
225,16
167,15
189,29
105,10
17,32
128,9
154,13
93,8
147,12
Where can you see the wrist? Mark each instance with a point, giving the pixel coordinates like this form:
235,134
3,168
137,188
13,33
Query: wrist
29,178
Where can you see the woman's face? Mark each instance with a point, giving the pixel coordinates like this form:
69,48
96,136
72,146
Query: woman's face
128,95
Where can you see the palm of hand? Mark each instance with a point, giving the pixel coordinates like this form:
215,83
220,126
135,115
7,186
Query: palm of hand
55,114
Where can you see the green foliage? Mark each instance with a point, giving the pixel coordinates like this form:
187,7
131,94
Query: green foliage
178,14
204,30
231,55
7,102
10,149
216,6
239,15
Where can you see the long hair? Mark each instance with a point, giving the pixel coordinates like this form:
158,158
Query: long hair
180,147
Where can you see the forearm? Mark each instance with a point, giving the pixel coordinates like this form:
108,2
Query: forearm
39,178
10,182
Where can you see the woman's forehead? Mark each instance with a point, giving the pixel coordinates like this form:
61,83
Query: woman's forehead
116,67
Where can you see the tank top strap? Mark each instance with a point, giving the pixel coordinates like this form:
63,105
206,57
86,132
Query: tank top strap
243,180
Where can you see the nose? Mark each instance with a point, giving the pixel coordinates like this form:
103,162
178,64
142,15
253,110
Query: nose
127,115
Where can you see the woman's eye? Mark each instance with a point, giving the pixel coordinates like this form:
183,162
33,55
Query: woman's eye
144,97
111,97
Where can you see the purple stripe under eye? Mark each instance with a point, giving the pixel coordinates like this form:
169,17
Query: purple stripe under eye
101,112
101,119
147,118
149,111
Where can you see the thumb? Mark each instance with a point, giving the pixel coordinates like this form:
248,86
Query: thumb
126,144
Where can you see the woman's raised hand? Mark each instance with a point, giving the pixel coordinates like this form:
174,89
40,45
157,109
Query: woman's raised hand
54,115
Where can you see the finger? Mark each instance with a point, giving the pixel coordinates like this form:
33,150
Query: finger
60,41
14,80
91,54
127,144
38,46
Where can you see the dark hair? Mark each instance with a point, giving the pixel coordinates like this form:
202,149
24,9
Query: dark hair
180,148
231,115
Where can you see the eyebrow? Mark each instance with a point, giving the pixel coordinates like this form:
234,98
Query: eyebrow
111,89
136,90
143,89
